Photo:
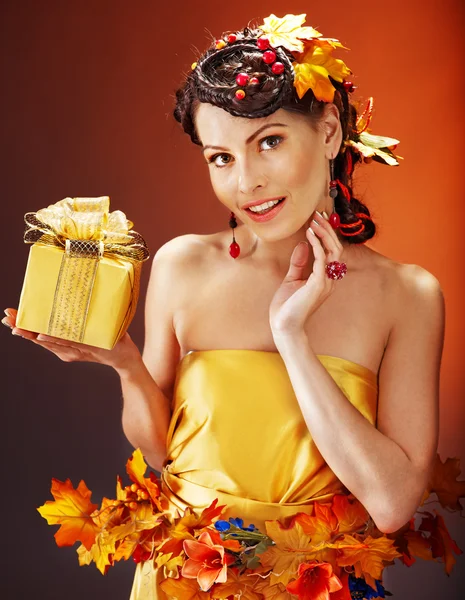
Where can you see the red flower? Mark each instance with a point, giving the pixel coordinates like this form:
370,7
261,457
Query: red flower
316,581
207,561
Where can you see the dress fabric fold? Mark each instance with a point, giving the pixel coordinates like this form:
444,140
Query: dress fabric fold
237,433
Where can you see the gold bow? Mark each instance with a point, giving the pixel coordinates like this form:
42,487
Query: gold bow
86,219
86,230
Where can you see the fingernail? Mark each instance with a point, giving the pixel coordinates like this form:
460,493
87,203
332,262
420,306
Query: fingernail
16,333
311,230
319,214
316,222
6,324
325,215
8,314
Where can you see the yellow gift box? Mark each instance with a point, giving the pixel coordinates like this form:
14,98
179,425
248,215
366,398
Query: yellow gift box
83,273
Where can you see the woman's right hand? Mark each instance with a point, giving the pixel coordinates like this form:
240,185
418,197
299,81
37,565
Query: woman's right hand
124,354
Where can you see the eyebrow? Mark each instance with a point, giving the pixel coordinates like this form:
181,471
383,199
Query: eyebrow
250,138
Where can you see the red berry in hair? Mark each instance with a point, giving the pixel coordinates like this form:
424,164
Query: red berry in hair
269,57
254,80
240,94
232,37
277,68
349,86
242,79
263,43
219,44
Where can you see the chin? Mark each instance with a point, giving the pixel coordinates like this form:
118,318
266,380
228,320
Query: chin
280,230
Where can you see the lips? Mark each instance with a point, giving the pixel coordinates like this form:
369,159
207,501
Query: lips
266,216
258,202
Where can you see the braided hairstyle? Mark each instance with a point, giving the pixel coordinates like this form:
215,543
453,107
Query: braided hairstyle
213,80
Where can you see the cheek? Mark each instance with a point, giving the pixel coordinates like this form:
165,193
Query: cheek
305,171
221,187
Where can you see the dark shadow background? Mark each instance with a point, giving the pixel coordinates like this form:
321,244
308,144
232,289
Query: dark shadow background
86,102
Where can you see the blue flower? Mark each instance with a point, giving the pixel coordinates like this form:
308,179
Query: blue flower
359,586
239,523
222,525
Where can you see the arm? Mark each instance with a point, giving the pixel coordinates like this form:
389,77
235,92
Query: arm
147,384
387,468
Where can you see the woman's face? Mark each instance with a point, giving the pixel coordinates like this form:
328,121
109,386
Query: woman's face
266,159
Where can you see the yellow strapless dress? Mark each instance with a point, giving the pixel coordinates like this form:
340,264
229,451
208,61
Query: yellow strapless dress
237,434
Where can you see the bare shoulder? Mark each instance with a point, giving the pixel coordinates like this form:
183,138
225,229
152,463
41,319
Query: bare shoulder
183,249
181,260
184,254
407,285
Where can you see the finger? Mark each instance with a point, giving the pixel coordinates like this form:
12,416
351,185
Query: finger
66,343
299,259
24,333
63,353
10,312
319,261
6,321
328,235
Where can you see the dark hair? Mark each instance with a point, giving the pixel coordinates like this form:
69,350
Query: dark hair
213,80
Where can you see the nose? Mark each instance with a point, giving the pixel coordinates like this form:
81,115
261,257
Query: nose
251,177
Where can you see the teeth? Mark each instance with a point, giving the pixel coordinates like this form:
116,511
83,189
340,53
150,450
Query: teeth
263,206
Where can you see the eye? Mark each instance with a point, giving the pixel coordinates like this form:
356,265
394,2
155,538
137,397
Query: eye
275,139
220,163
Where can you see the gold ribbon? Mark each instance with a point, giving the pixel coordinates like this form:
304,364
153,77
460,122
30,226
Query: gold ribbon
86,230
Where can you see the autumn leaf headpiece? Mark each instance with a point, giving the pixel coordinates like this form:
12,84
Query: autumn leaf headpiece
297,53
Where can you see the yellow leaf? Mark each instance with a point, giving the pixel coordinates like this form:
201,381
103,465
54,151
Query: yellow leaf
170,563
183,589
368,560
84,556
288,31
293,546
139,520
273,592
351,515
243,585
312,70
107,515
322,525
377,141
102,551
136,468
126,547
72,510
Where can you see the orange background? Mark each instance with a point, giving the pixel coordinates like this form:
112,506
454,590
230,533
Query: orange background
87,98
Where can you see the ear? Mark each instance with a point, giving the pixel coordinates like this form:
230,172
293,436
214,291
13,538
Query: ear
332,130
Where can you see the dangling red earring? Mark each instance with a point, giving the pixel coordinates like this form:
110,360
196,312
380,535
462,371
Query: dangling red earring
334,219
234,248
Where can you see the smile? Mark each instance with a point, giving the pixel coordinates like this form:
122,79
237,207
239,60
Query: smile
265,211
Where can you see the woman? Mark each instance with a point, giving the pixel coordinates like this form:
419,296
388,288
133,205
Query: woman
309,362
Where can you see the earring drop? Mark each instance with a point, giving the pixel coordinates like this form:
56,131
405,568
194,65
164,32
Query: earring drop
334,219
234,248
